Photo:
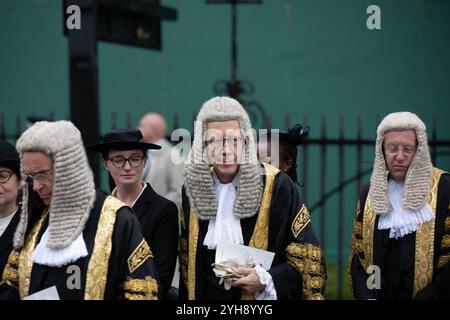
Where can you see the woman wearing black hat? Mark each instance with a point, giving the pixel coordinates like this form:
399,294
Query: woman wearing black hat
124,157
9,196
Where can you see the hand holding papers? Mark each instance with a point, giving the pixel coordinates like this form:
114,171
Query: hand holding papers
230,255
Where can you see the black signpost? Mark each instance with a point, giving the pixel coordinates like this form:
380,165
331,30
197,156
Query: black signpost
129,22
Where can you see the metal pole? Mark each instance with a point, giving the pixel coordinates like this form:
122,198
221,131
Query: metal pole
83,69
341,210
323,174
233,42
305,164
359,156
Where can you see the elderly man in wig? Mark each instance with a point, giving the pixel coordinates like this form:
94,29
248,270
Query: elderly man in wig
72,242
401,235
229,196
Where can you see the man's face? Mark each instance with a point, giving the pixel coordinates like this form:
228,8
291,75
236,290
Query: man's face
224,145
39,167
147,130
123,171
399,150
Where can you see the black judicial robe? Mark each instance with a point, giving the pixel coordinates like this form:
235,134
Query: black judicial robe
414,266
159,220
119,264
282,225
6,240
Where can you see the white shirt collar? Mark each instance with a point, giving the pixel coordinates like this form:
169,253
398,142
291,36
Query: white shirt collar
113,193
4,222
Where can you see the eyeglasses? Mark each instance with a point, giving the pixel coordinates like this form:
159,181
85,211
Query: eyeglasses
119,162
394,149
40,177
5,175
219,144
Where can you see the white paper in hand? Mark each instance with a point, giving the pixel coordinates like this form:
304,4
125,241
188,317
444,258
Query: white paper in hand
46,294
227,251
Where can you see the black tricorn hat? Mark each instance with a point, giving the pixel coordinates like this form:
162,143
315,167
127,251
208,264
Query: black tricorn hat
122,139
9,157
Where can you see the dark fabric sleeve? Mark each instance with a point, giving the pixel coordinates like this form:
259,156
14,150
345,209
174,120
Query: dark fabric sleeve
9,283
439,289
359,280
300,273
131,263
182,289
165,246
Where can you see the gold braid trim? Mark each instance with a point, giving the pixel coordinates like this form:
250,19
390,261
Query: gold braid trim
10,272
445,241
141,289
306,258
193,239
182,219
368,226
424,251
139,256
304,251
443,260
313,282
314,296
358,229
25,263
97,271
260,236
301,220
356,243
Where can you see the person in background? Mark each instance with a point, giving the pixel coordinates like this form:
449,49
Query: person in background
9,199
164,174
288,142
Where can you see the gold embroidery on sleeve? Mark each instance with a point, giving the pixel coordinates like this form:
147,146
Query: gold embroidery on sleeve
139,255
141,289
301,221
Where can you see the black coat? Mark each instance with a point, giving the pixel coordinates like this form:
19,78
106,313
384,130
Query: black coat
6,241
159,220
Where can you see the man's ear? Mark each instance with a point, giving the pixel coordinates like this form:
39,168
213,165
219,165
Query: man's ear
105,164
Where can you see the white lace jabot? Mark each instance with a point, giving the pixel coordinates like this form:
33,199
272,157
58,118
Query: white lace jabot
399,220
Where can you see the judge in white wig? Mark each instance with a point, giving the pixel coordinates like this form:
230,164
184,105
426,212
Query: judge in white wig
402,224
231,198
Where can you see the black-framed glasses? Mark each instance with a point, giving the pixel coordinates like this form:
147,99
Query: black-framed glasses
5,175
119,162
40,177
